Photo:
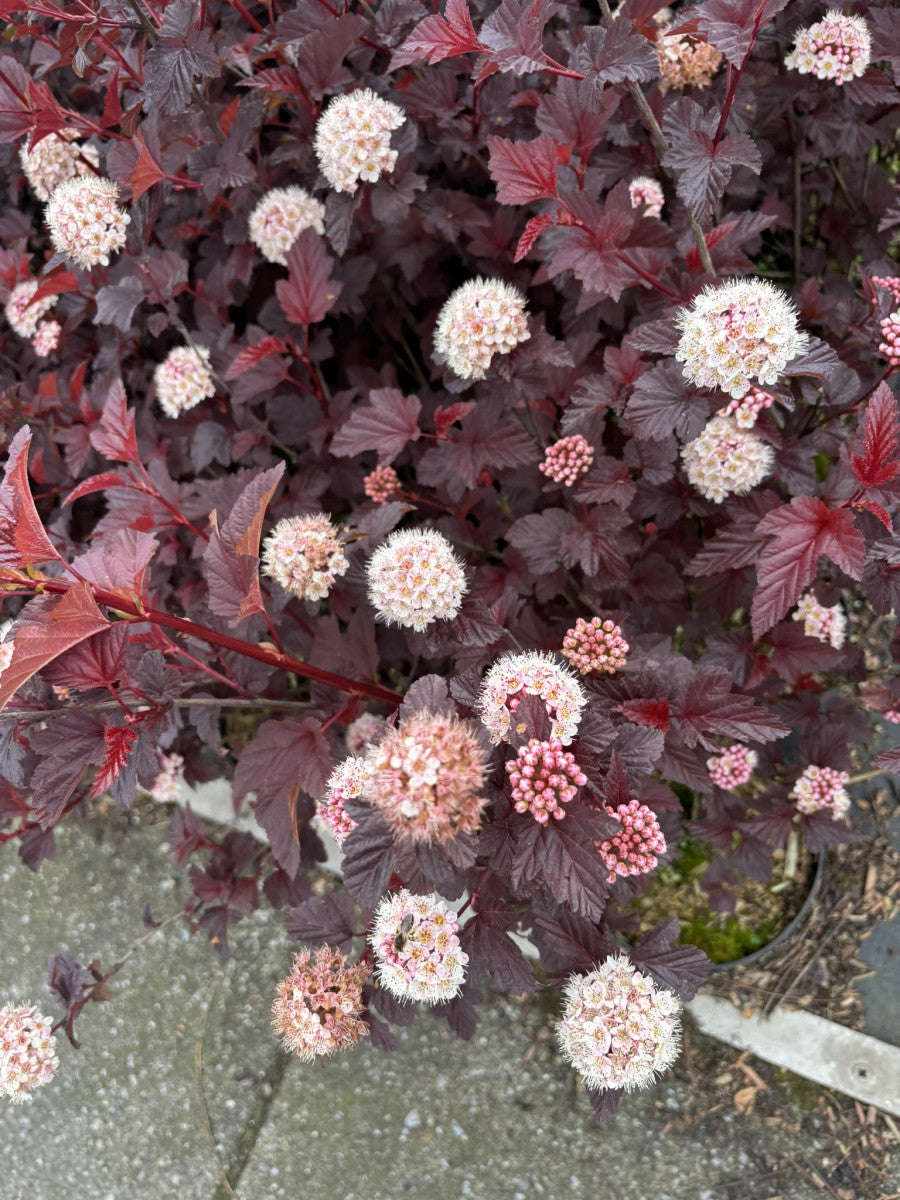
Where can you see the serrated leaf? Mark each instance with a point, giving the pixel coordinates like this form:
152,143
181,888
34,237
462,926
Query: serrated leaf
439,37
309,291
231,559
485,938
524,171
97,483
707,705
563,856
705,165
731,25
387,424
330,919
72,743
532,231
663,403
368,855
681,969
114,435
23,542
118,742
251,355
739,544
878,463
514,34
604,1102
611,54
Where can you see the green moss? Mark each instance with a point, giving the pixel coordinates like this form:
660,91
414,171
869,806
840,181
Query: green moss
803,1092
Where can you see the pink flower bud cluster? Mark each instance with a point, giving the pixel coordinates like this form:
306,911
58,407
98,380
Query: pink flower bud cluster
647,192
726,460
685,62
27,1051
55,159
417,952
46,339
360,733
304,554
481,318
86,224
22,315
890,333
595,645
891,283
164,788
318,1006
819,788
633,849
183,380
543,778
344,783
736,331
279,219
531,674
732,767
838,47
353,139
415,578
745,411
567,460
381,484
827,623
892,715
425,778
618,1029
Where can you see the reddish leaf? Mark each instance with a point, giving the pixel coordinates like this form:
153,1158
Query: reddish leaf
386,425
120,560
487,942
663,403
47,627
118,741
445,417
611,54
146,171
275,79
251,355
114,437
439,37
654,713
23,542
801,531
524,171
738,545
97,483
309,291
705,166
231,560
731,25
531,233
57,284
97,662
878,463
514,34
563,856
707,705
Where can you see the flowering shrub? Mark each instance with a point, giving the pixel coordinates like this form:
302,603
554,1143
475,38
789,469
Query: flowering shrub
496,394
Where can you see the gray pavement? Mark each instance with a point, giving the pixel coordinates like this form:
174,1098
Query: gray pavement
496,1118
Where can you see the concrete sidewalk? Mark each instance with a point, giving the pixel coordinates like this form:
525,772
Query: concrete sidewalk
496,1118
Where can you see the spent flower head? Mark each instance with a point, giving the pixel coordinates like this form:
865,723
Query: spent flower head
839,47
27,1051
415,578
825,622
183,380
417,952
279,219
22,315
726,460
544,777
819,788
54,159
353,139
344,783
85,221
595,646
738,331
732,767
318,1006
686,62
633,848
618,1029
567,460
425,777
481,318
646,193
305,555
530,674
164,787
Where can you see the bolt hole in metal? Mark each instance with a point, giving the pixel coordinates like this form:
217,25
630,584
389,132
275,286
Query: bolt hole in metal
861,1070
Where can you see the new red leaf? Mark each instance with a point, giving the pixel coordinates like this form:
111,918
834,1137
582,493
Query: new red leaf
524,171
439,37
231,560
114,437
385,425
97,483
878,463
23,542
251,355
118,742
801,531
531,233
309,291
146,171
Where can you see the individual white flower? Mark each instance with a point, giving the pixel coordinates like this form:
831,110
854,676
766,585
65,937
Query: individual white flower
415,578
481,318
417,952
279,219
86,224
513,676
726,460
353,139
839,47
183,380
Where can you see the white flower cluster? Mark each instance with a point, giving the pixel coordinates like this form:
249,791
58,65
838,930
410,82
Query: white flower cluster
838,47
27,1051
305,555
417,952
54,159
415,578
86,224
481,318
22,315
183,380
46,339
279,219
726,460
353,139
828,624
531,674
736,331
646,192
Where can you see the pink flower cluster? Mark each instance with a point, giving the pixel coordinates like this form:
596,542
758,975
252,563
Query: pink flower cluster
481,318
543,778
344,783
891,283
647,192
685,62
27,1051
416,948
46,339
618,1029
892,715
353,139
838,47
304,554
890,333
595,645
745,411
279,219
318,1006
86,224
822,787
164,788
425,778
736,331
415,578
22,315
359,734
726,460
633,849
531,674
56,158
183,380
567,460
827,623
732,767
381,484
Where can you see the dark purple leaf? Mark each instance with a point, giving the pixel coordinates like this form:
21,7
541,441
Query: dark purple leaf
309,291
231,559
681,969
387,424
330,919
524,171
485,938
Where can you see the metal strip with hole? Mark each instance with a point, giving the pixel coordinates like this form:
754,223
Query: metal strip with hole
839,1058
